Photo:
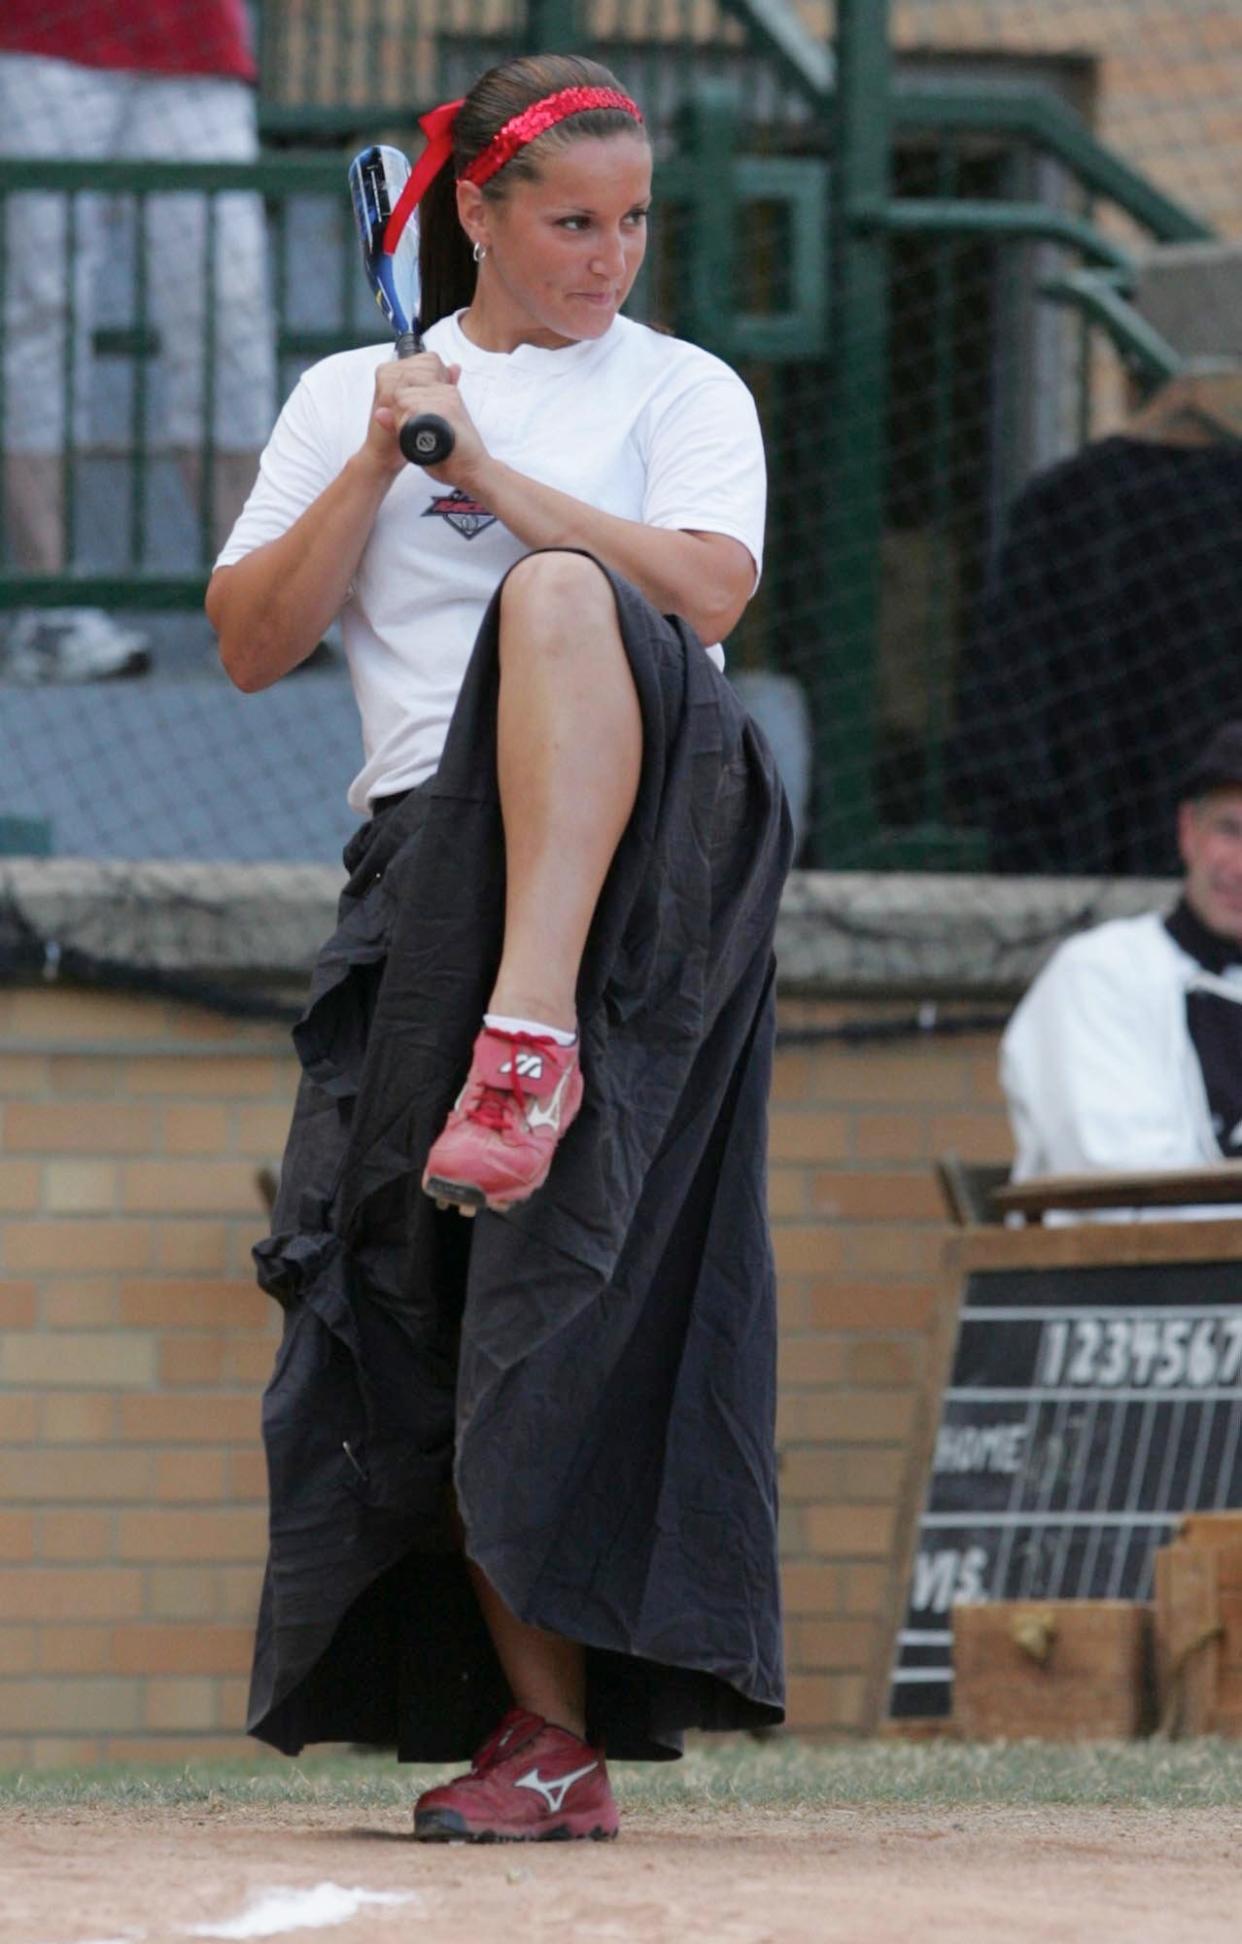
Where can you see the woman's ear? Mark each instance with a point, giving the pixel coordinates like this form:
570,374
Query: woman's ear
472,212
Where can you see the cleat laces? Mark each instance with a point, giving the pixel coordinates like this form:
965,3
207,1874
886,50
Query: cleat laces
495,1106
492,1109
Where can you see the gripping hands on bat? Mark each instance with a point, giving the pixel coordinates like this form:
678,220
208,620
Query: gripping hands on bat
390,256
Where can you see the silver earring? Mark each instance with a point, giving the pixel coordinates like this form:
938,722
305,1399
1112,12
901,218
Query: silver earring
479,252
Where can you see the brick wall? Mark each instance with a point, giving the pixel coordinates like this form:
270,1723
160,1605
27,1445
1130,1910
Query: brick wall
865,1323
1169,77
134,1346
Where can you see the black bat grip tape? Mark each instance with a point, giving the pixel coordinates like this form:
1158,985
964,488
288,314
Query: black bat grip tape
427,439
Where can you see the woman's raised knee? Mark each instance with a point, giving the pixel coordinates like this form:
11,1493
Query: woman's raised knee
551,583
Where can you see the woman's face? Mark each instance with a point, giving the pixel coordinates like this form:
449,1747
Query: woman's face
563,251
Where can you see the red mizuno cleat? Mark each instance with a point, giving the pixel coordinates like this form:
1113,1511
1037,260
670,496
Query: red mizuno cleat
529,1783
520,1096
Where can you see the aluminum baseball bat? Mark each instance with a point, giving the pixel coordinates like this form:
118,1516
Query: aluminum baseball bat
376,178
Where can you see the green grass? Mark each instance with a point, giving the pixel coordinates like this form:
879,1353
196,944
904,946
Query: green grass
782,1774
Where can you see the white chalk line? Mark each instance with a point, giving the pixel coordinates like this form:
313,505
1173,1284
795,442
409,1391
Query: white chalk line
276,1912
279,1911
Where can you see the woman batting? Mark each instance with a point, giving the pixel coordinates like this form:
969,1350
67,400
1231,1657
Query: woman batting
522,1473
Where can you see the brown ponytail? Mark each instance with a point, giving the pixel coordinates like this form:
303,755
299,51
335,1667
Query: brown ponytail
446,267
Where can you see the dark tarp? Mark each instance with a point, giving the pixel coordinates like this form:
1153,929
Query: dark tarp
602,1357
1107,652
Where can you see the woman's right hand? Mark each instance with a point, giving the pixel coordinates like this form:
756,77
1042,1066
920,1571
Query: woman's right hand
404,387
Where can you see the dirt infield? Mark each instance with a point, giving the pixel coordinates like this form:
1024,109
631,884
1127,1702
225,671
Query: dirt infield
82,1874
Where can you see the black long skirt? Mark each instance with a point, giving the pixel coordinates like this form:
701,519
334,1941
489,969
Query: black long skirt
590,1377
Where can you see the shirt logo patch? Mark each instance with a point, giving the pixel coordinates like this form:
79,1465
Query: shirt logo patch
466,514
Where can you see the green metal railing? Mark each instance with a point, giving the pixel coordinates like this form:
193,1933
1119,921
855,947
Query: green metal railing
784,215
136,580
701,192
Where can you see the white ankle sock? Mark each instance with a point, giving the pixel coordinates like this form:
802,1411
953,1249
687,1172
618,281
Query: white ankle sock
501,1023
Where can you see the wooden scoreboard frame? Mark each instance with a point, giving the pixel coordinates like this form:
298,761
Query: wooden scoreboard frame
1058,1267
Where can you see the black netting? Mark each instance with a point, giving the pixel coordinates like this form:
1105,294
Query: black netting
997,381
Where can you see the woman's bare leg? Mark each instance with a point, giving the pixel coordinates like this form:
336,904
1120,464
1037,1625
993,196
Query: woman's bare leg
569,751
546,1673
34,511
569,756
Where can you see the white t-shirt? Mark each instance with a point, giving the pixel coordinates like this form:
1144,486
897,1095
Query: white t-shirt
635,423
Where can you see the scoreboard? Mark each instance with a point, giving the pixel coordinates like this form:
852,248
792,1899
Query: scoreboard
1088,1408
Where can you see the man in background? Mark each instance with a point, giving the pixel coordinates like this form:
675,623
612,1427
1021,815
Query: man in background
1126,1053
168,80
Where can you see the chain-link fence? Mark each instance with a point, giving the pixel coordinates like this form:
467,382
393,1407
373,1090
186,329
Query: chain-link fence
976,262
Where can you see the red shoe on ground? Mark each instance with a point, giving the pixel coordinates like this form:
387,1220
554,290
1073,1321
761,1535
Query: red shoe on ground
520,1096
529,1783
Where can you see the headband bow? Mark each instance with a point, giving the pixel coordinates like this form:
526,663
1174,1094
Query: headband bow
437,126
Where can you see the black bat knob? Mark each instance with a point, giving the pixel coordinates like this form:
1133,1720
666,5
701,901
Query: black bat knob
427,439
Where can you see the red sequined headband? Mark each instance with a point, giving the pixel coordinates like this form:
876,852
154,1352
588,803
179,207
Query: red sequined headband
518,131
537,120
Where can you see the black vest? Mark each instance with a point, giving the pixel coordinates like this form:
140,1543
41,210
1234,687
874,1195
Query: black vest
1215,1025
